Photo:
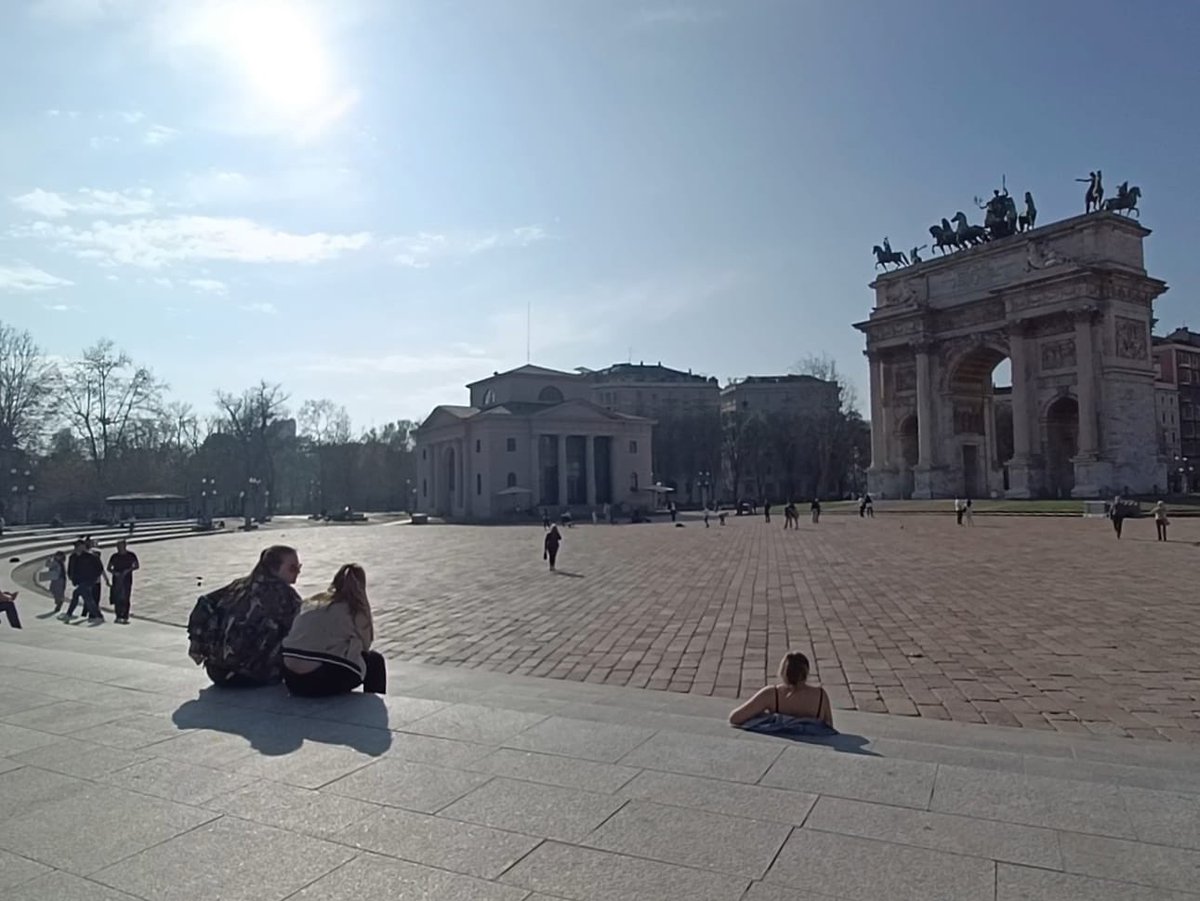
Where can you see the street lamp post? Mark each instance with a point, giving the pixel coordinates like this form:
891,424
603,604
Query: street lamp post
704,483
250,502
208,495
21,483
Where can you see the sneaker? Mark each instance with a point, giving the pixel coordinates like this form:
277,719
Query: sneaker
95,619
65,617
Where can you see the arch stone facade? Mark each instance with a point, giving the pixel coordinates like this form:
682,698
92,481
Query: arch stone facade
1070,305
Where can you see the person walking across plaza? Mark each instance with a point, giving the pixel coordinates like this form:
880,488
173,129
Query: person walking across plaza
236,633
550,546
122,565
56,573
8,606
1116,512
815,509
766,511
86,573
968,512
791,519
328,649
960,508
1161,521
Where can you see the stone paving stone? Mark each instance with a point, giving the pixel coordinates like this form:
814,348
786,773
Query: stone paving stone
65,717
543,810
765,891
310,766
701,755
414,786
364,710
1122,861
1033,801
1014,883
863,870
131,733
1002,761
14,870
370,876
79,758
228,859
441,751
321,814
1166,818
907,783
580,738
692,838
460,847
468,722
735,799
588,875
15,739
550,769
933,618
176,781
16,701
203,748
27,789
6,764
940,832
1115,774
77,833
60,886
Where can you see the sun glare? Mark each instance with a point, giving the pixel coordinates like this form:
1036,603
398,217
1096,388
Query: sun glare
278,48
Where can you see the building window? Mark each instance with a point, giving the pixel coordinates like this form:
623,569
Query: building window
510,445
489,397
511,481
633,447
478,445
633,483
478,483
423,452
424,488
550,395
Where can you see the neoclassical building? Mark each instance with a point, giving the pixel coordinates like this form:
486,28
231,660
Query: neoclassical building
1070,305
530,438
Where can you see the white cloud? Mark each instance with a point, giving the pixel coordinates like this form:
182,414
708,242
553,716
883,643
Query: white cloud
421,250
157,135
151,243
25,279
267,309
91,201
130,117
60,307
99,142
207,285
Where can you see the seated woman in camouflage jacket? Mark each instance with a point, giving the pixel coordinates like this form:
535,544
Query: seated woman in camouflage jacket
236,632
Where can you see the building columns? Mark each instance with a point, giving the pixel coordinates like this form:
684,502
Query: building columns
562,470
1085,379
879,454
925,415
589,453
535,471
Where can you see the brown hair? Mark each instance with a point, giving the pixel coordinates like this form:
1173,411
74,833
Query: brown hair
270,560
793,668
349,587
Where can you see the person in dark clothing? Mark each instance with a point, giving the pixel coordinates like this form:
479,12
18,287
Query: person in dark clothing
236,633
1117,514
121,565
766,511
8,606
815,509
550,546
86,572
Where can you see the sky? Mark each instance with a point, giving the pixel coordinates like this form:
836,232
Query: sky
363,199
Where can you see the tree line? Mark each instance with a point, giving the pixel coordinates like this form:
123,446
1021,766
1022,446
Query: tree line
80,430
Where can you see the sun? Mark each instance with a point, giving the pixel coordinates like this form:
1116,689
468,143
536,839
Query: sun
278,49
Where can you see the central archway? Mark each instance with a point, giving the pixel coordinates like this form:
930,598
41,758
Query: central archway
980,403
1062,444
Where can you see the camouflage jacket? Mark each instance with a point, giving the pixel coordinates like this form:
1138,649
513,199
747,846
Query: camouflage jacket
241,627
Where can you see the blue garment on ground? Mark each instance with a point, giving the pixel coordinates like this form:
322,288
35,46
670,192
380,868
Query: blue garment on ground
782,724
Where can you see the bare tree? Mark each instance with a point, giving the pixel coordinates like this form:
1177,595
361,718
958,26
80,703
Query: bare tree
26,386
105,395
324,422
824,367
256,419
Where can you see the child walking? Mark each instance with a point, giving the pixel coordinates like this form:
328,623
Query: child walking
550,546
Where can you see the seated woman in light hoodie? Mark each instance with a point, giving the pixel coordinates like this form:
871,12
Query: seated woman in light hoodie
328,650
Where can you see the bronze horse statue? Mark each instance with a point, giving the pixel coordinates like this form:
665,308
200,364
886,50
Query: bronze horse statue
1126,199
943,236
968,235
883,256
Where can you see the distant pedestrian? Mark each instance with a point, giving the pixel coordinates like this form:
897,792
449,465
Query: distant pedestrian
671,507
595,516
610,514
866,507
86,572
721,517
1116,512
566,520
767,511
960,508
969,513
56,571
122,565
1160,520
790,518
8,606
545,518
2,525
815,509
550,546
706,517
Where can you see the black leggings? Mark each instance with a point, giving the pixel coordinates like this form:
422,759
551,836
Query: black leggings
330,679
229,678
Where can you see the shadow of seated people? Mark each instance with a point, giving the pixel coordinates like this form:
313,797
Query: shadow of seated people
275,723
809,732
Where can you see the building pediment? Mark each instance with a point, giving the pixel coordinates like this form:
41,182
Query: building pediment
584,411
447,415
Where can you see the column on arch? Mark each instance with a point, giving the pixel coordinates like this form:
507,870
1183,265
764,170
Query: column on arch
562,470
925,417
879,454
589,454
1085,378
1018,354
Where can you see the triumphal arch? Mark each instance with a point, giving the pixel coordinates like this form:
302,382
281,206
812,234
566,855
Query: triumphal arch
1070,305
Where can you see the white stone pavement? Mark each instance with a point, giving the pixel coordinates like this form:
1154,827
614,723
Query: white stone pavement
122,775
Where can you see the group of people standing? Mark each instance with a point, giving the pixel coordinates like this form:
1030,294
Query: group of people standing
257,631
86,573
1120,510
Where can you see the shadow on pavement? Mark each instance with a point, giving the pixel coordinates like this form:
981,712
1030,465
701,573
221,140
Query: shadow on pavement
569,575
261,716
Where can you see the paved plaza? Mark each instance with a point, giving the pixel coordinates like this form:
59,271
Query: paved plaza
124,776
1046,623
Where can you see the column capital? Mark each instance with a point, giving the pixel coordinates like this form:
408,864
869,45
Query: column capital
1021,328
1085,313
922,345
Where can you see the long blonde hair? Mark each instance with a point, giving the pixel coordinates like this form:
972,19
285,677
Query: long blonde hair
349,587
